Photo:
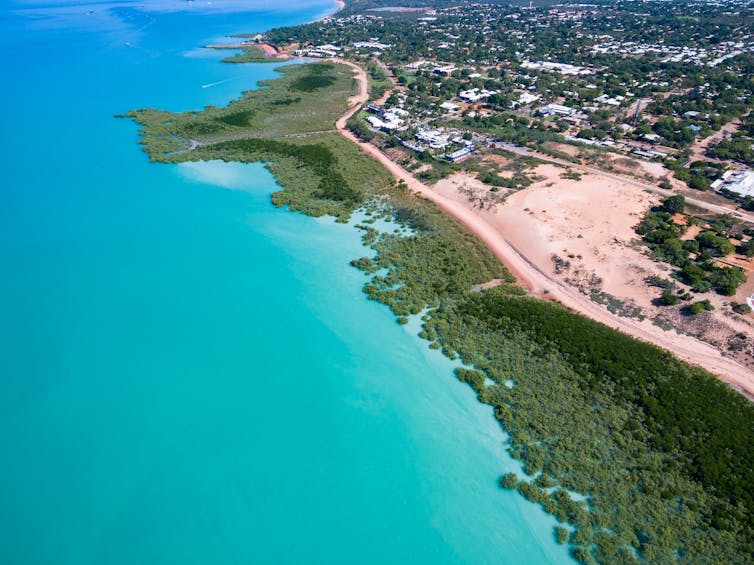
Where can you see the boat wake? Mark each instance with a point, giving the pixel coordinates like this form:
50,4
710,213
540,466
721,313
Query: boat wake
211,84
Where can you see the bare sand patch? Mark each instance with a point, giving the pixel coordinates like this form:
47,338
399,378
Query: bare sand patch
569,239
571,150
467,188
636,167
589,224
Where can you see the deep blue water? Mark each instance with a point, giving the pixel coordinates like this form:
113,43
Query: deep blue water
188,374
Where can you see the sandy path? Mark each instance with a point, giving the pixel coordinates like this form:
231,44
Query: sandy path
699,149
540,283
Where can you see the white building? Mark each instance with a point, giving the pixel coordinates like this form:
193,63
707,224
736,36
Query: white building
436,139
556,109
460,154
322,52
562,68
525,99
446,70
475,95
390,120
371,45
741,183
450,107
607,100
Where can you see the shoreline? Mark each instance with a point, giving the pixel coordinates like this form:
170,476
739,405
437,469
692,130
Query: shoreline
341,6
454,252
270,51
540,284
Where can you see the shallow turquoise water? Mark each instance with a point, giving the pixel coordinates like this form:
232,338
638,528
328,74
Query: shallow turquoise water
187,374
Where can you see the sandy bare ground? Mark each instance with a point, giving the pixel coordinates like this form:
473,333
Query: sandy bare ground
272,51
588,223
690,199
637,167
543,220
492,231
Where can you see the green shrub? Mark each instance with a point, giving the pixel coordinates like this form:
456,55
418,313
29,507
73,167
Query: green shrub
509,481
562,535
669,299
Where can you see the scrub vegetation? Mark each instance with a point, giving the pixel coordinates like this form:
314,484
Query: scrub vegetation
697,259
640,456
250,54
288,125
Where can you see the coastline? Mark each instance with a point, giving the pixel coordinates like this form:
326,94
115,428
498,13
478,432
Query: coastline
228,282
341,6
268,50
424,265
528,275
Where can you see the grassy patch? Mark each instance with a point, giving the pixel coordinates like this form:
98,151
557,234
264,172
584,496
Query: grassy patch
238,119
316,77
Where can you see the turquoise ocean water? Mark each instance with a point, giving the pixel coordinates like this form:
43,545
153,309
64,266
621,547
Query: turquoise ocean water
187,374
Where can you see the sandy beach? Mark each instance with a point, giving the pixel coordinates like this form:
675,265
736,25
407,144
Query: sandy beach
341,6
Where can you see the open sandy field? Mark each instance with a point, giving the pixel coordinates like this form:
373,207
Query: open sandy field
570,239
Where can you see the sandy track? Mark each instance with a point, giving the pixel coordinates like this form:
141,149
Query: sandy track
357,100
540,283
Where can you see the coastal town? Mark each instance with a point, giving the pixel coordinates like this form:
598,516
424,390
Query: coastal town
407,281
581,105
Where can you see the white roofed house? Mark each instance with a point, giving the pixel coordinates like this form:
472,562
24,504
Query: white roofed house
610,101
389,120
525,99
556,110
740,183
372,45
416,65
562,68
375,122
436,139
475,95
460,154
446,70
450,107
320,52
